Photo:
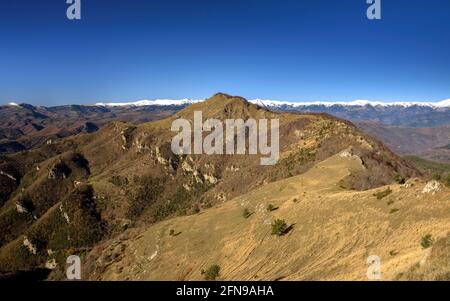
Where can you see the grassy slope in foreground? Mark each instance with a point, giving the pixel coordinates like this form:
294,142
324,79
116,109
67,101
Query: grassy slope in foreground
333,232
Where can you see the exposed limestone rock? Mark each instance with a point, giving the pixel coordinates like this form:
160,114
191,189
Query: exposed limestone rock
160,158
232,168
299,134
364,143
51,264
187,167
59,170
141,147
345,154
7,175
172,162
209,165
198,177
125,135
66,217
211,179
64,214
410,183
21,209
221,197
124,139
52,175
432,187
27,243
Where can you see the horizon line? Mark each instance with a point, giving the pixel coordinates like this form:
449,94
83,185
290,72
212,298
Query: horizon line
183,101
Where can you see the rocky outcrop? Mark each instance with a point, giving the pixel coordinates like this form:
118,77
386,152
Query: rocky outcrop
8,175
432,187
59,171
29,245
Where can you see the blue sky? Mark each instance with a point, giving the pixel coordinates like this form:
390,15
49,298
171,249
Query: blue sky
285,49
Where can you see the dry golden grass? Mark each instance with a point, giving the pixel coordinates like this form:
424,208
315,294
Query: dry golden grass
333,231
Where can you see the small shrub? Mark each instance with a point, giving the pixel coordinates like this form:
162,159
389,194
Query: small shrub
119,181
246,213
172,232
207,205
382,194
427,241
295,200
212,273
182,212
279,227
271,207
390,202
393,252
399,179
437,176
196,209
393,210
447,181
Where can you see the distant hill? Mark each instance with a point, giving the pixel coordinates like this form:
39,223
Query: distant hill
430,167
23,126
428,143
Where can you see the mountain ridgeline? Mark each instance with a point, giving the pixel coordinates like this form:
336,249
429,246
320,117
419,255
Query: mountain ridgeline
419,129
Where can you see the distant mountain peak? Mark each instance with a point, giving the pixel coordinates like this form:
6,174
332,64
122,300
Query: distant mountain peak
147,102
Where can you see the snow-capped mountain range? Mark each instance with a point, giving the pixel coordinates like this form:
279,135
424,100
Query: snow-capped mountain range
155,102
355,103
405,114
409,114
283,104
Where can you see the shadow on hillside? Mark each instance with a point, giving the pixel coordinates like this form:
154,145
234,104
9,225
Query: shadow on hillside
288,229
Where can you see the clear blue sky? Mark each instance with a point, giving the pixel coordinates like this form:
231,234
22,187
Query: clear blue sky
282,49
